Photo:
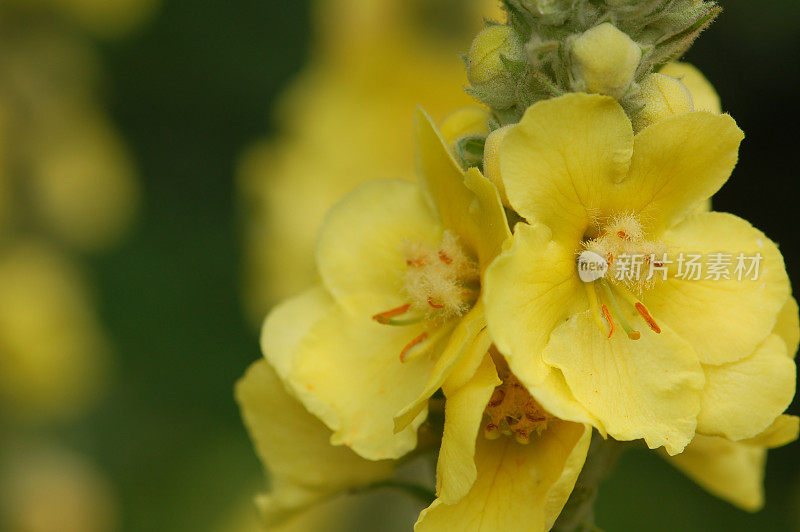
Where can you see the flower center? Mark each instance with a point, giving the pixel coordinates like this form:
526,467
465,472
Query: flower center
512,411
440,283
621,262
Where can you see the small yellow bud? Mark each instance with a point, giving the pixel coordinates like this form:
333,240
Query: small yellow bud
491,160
485,65
605,60
663,96
463,122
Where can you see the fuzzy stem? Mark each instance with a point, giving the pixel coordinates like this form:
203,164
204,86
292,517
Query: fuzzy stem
578,513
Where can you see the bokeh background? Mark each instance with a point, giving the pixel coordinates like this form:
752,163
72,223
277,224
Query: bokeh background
188,88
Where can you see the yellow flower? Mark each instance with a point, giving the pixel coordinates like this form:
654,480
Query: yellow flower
102,17
517,475
53,358
734,471
399,311
45,488
294,446
65,164
653,359
376,64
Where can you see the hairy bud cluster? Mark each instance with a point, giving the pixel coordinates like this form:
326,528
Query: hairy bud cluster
550,47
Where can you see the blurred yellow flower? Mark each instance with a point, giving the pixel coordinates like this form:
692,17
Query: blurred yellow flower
67,166
53,354
44,488
373,63
106,18
574,170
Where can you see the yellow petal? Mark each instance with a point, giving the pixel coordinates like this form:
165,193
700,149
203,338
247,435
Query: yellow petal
741,399
559,162
677,163
456,471
287,325
528,290
469,362
348,372
788,326
647,388
731,471
724,320
475,214
517,486
294,447
704,97
462,338
359,250
472,120
555,396
784,430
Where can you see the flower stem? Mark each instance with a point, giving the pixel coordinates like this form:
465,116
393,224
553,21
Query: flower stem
578,513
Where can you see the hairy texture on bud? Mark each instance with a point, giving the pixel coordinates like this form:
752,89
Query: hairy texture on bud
604,61
492,50
663,96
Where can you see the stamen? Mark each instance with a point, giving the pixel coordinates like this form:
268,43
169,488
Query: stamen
413,343
610,321
388,317
491,432
522,437
640,308
444,257
594,306
385,317
648,318
434,305
632,333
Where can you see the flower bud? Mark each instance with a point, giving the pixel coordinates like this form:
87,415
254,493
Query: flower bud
605,60
663,96
485,66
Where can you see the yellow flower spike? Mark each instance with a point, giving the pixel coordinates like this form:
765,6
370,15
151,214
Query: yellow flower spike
605,60
294,446
573,169
399,308
503,477
491,160
663,96
734,471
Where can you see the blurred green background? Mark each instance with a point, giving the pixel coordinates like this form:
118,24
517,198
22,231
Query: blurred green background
190,91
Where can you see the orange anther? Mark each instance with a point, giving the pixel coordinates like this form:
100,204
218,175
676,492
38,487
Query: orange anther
385,317
647,317
607,314
434,305
411,344
444,258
